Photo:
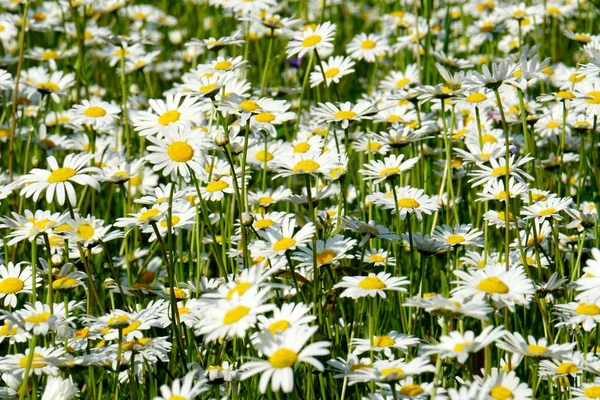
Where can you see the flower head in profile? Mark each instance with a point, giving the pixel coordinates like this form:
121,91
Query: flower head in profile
316,38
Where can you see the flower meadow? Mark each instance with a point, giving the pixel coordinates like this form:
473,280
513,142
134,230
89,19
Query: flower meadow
311,199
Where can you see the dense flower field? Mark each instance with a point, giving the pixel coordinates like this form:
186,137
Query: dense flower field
310,199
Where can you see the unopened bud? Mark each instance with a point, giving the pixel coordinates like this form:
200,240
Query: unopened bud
247,219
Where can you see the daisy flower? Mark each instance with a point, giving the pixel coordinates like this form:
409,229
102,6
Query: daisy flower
505,385
306,164
372,285
391,370
327,252
399,80
547,209
410,201
332,70
58,180
497,170
58,388
15,279
391,167
184,389
318,38
385,343
178,153
45,360
371,47
460,346
283,352
280,241
344,113
378,257
504,288
515,343
585,313
177,109
289,316
96,113
460,235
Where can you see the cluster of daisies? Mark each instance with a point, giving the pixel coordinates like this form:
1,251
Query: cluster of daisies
331,200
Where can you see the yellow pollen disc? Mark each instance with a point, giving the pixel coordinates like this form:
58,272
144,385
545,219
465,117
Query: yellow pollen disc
536,350
223,65
455,239
8,330
394,118
487,138
375,146
95,112
240,289
587,309
368,44
284,244
38,318
547,212
169,117
174,220
283,358
265,201
493,285
345,114
552,125
389,171
265,117
383,341
177,397
567,368
85,231
47,86
376,258
565,95
216,186
332,72
460,347
306,166
372,283
153,212
11,285
61,175
476,98
36,362
50,55
326,257
64,283
582,38
394,371
263,156
592,392
501,393
500,171
402,82
311,41
235,314
180,151
249,105
411,390
264,223
408,203
302,147
279,326
595,97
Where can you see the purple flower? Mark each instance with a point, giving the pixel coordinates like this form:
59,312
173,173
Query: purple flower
294,62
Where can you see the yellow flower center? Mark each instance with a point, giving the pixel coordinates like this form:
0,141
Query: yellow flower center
264,223
263,156
394,371
493,285
11,285
223,65
177,397
64,283
38,318
47,87
169,117
174,220
389,171
265,117
455,239
279,326
476,98
301,147
146,215
592,392
402,82
376,258
8,330
85,231
208,88
240,289
345,114
50,55
325,257
368,44
36,362
460,347
383,341
305,166
566,367
595,97
216,186
235,314
375,146
180,151
249,105
95,112
500,171
552,125
265,201
332,72
536,350
546,212
372,283
565,95
61,175
284,244
411,390
408,203
312,40
283,358
501,393
587,309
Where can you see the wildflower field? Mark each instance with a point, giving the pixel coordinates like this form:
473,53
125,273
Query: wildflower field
310,199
